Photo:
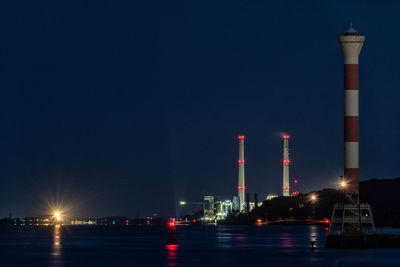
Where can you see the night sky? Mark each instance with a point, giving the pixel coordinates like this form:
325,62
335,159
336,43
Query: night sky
127,107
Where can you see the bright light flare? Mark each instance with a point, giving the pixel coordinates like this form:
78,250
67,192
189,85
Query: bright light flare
343,184
57,215
171,224
313,197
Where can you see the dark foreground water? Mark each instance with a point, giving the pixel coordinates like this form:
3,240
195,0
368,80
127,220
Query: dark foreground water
198,246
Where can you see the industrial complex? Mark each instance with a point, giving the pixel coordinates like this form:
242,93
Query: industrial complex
350,216
214,210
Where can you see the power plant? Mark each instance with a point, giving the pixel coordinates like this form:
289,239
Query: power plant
286,162
351,216
241,186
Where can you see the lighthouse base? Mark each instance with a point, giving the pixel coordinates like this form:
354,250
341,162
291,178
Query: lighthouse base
352,225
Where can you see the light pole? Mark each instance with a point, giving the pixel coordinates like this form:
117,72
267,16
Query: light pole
313,199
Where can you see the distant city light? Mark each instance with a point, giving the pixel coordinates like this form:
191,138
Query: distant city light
182,203
57,215
271,196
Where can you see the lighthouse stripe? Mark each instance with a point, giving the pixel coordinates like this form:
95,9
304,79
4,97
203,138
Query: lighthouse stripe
350,76
351,155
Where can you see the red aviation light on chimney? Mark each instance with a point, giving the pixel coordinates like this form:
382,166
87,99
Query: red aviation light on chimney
241,137
285,187
286,137
286,161
241,187
241,161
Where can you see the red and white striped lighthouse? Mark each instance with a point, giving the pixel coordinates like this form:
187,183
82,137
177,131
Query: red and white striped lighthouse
351,43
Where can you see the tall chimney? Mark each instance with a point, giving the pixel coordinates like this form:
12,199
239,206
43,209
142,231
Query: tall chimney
241,187
286,162
247,202
255,201
351,43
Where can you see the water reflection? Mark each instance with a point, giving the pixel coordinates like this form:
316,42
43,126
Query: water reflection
56,249
172,255
287,240
313,232
241,240
224,239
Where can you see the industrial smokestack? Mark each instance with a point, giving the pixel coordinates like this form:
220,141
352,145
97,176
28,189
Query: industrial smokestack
255,201
286,162
247,202
351,43
241,187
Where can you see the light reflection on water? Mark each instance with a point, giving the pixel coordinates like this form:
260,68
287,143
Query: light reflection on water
198,246
286,242
56,249
172,255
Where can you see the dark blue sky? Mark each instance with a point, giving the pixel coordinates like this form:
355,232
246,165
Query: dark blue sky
126,107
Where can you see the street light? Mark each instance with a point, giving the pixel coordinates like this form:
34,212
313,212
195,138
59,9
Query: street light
313,199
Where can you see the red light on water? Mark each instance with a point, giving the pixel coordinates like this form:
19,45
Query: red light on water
171,224
172,247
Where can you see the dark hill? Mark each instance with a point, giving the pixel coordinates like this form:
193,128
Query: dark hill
382,194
